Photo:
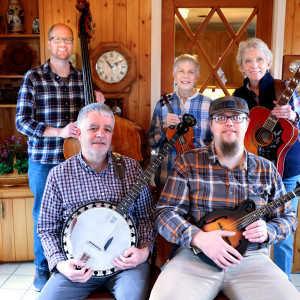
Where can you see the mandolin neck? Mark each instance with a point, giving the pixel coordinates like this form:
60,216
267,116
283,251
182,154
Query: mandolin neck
262,211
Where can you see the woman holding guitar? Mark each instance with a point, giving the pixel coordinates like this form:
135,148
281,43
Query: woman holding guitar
169,110
260,89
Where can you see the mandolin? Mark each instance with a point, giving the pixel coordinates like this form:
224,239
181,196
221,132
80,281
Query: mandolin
268,136
237,220
185,141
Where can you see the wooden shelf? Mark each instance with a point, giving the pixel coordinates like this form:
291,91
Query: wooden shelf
11,76
19,36
7,105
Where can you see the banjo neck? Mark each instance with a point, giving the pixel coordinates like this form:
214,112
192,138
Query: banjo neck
131,196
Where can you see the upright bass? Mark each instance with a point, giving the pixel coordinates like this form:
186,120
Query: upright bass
129,137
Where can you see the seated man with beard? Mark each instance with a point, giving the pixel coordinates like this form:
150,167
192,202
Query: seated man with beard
222,176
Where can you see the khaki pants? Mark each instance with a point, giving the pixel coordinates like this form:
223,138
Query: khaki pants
186,277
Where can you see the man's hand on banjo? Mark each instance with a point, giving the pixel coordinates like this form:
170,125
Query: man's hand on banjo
132,257
69,268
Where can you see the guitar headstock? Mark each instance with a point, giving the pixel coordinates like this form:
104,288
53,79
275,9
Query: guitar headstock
165,99
187,121
86,24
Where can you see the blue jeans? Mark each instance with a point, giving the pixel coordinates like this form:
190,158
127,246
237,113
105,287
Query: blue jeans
132,284
283,251
37,175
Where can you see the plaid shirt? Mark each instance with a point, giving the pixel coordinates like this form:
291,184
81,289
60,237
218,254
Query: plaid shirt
198,106
72,184
44,100
198,184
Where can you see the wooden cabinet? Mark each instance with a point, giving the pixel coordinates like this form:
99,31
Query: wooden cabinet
16,224
10,77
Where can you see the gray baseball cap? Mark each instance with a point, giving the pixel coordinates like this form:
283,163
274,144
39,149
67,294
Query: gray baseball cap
228,103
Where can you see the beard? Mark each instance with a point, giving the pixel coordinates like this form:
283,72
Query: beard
229,149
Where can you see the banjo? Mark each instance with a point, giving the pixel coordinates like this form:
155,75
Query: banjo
99,231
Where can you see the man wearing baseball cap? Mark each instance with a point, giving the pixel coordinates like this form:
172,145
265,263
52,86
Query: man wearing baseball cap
220,177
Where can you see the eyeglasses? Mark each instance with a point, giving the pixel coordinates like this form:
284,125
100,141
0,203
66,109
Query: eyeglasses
234,119
58,39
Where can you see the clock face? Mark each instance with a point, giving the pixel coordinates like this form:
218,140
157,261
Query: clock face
111,66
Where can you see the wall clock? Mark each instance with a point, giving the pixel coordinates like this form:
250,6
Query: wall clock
114,67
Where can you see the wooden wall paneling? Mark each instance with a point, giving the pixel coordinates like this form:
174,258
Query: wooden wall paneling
107,20
167,46
296,31
96,11
133,43
289,27
144,79
120,20
46,21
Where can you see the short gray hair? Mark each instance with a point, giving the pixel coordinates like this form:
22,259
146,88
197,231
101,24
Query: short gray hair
99,108
187,58
250,44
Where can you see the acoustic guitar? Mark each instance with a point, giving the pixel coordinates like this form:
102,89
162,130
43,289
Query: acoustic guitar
268,136
237,220
99,231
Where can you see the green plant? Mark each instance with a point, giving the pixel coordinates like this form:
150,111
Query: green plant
8,152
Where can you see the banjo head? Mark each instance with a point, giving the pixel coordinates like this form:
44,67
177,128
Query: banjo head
96,234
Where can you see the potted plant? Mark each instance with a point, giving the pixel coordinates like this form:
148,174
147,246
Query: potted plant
13,162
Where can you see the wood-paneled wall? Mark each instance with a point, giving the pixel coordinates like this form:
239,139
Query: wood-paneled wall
126,21
292,25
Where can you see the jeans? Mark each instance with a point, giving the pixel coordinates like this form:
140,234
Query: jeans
283,251
37,175
131,284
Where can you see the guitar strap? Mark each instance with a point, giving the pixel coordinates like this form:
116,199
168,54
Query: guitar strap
279,86
119,168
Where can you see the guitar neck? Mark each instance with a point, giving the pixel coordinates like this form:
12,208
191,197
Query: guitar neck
290,89
262,211
144,178
283,100
86,70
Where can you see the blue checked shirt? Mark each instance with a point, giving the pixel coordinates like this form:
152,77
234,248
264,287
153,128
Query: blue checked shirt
198,184
198,106
44,100
72,184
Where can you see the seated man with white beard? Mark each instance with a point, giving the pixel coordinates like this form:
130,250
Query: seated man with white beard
220,177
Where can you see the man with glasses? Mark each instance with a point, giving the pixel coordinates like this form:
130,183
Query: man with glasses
49,100
220,177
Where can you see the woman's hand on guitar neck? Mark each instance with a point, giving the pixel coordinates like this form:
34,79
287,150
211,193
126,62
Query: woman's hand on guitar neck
132,257
256,232
75,270
213,245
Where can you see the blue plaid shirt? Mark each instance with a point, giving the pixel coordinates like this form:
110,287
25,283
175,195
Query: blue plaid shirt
44,100
198,106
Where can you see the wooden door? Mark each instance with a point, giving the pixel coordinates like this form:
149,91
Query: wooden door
216,49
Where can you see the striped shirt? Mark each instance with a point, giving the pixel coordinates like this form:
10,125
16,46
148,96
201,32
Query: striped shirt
44,100
72,184
198,184
198,106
